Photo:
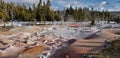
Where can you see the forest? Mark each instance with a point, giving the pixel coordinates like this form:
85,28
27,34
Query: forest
43,12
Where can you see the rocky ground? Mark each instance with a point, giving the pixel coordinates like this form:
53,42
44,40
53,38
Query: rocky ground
28,42
87,46
36,41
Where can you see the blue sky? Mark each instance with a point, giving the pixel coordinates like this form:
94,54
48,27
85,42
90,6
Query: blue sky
108,5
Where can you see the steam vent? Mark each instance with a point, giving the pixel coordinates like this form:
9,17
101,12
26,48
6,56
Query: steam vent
59,29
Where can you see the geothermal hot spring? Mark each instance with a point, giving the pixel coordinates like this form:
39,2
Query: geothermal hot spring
71,32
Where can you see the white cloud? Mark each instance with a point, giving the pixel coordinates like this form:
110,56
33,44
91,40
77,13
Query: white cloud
26,2
73,4
104,3
102,8
29,1
110,9
117,8
101,4
55,8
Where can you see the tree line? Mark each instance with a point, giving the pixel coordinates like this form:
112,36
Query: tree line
43,12
86,14
10,11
